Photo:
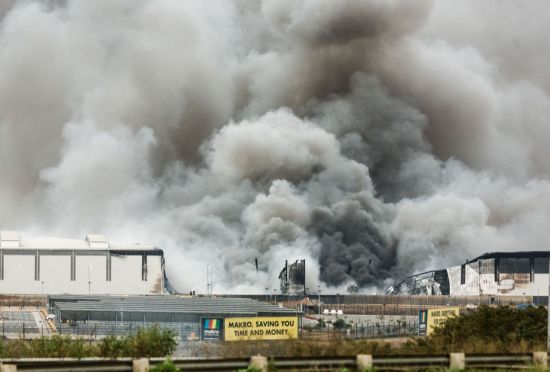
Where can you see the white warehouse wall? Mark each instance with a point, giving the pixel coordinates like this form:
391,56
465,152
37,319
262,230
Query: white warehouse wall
53,271
94,268
19,275
510,284
91,266
71,266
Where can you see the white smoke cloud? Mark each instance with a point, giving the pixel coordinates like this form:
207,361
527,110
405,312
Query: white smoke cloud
374,139
278,146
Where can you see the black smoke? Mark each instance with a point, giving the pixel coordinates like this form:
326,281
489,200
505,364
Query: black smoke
374,139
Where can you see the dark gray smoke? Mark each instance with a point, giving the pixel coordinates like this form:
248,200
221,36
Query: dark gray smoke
373,138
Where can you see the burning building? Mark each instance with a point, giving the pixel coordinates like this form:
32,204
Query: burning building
429,283
498,273
293,278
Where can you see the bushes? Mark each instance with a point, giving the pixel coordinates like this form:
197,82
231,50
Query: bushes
321,323
504,328
54,347
487,330
151,342
166,366
340,324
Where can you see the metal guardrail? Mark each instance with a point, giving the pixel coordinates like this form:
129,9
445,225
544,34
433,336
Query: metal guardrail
285,363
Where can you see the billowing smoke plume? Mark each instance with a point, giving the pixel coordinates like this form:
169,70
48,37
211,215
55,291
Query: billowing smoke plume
373,138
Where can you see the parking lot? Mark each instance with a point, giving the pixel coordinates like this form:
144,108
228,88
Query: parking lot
24,323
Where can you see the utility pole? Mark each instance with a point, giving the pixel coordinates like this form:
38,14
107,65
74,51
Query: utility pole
89,279
209,281
319,301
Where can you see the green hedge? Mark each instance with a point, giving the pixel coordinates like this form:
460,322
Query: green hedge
489,329
485,330
151,342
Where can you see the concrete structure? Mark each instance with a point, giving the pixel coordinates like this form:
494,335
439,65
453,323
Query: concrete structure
92,266
495,274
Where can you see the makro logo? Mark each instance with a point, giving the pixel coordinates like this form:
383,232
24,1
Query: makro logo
212,324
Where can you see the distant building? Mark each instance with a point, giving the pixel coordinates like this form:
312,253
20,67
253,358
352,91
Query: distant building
293,278
91,266
428,283
498,273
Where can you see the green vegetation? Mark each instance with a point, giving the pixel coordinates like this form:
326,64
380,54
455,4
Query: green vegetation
249,369
340,324
166,366
485,330
151,342
321,323
488,330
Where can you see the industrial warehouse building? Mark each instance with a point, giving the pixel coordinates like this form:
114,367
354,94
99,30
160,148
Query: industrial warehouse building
91,266
293,278
192,318
495,274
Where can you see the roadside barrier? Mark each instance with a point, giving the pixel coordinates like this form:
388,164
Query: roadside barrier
261,363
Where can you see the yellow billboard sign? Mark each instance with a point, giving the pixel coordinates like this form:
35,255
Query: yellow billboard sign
261,328
436,317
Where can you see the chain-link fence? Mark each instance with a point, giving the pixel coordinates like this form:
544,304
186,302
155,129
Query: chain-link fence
402,305
359,330
184,331
22,301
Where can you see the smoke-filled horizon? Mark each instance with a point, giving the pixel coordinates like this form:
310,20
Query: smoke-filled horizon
375,139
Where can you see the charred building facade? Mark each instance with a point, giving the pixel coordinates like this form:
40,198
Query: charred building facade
293,278
499,273
429,283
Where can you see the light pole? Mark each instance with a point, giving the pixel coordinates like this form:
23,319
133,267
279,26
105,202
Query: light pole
89,279
319,301
208,279
275,295
266,293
